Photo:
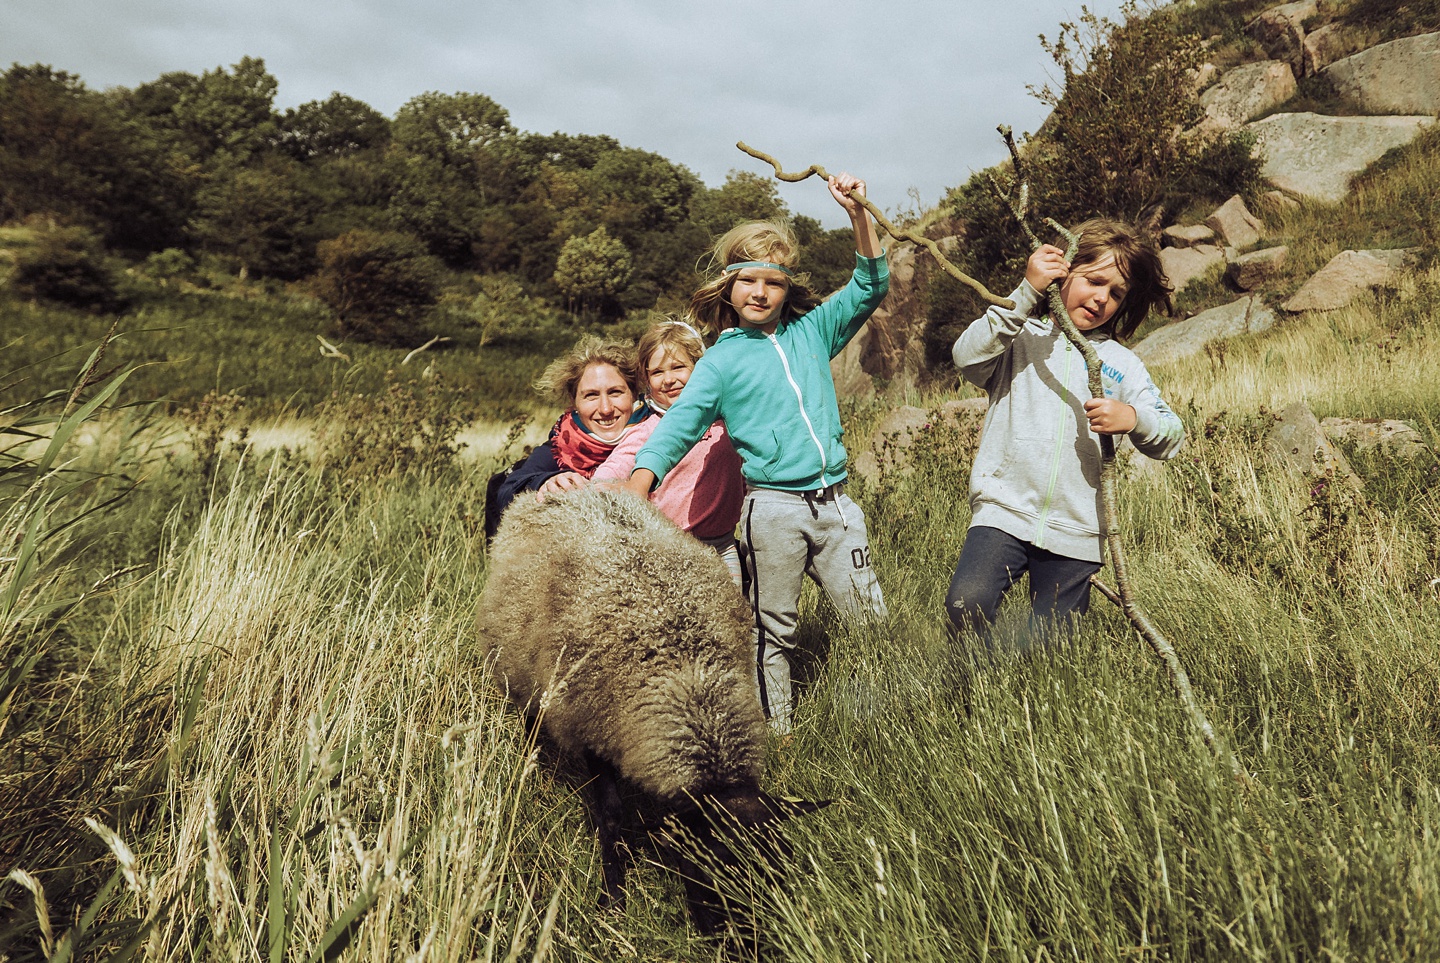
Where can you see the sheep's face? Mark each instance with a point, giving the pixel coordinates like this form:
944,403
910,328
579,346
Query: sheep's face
727,849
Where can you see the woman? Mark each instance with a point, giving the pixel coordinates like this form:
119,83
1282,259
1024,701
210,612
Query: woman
597,381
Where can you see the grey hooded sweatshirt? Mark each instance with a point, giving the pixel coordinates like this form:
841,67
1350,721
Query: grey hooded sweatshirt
1037,473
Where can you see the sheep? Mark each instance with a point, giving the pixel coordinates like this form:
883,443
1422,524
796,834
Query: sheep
628,642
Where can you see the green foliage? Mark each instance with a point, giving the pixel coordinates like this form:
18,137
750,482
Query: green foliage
378,285
745,196
1112,144
259,216
409,427
67,265
338,126
593,269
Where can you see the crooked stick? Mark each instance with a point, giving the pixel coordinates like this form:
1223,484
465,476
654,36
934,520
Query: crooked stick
884,222
1017,199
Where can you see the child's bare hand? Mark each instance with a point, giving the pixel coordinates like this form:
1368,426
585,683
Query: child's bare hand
1110,417
841,185
1047,264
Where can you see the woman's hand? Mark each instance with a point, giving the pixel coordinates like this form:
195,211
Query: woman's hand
1045,266
1110,417
563,482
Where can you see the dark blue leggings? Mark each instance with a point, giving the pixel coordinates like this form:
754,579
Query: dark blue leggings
992,561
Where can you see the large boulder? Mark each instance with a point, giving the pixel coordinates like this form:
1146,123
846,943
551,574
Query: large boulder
1298,443
1314,156
1280,31
1325,45
1248,271
1347,276
892,441
1245,93
1187,235
1184,264
1234,222
1182,339
1392,438
1399,77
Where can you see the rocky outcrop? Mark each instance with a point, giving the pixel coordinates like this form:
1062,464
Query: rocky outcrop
1185,264
1298,444
1399,77
1314,156
1391,438
1245,93
1234,222
1347,276
1189,337
889,449
1248,271
1325,45
1280,31
1187,235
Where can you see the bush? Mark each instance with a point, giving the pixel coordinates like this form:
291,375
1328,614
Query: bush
1114,144
67,265
379,284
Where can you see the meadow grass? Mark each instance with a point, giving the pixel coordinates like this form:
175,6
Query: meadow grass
283,719
254,678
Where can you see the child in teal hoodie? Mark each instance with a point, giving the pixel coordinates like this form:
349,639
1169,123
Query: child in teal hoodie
768,377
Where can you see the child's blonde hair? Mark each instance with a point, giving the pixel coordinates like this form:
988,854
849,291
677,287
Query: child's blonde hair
1138,261
561,377
769,241
671,335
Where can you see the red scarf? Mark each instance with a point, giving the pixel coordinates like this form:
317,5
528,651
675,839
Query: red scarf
579,451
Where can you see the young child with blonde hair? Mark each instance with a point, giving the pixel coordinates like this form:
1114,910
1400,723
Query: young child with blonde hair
1034,487
768,378
703,492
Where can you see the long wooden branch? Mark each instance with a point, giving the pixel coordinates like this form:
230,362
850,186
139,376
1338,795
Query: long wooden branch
1018,200
884,222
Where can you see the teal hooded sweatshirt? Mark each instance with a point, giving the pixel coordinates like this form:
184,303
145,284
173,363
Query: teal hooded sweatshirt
774,393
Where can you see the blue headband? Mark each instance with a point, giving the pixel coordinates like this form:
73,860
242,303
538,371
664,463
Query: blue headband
759,264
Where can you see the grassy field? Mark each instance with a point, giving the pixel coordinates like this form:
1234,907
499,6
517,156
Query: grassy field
241,716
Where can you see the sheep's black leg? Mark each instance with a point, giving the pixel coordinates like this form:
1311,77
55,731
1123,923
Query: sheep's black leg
603,797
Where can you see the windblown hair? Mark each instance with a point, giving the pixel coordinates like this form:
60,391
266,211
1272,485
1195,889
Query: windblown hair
771,241
673,337
561,376
1139,263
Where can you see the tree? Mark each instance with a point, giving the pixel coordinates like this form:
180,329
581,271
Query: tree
67,265
67,153
745,196
260,216
450,128
379,285
335,127
593,269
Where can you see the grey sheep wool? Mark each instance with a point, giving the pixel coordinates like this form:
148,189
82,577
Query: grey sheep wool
629,639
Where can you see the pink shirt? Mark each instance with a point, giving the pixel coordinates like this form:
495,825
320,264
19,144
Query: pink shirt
702,494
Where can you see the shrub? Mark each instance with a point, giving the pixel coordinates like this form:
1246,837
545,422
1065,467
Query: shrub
1114,143
379,284
67,265
593,269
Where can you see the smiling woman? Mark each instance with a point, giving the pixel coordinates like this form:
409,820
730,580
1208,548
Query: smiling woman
598,382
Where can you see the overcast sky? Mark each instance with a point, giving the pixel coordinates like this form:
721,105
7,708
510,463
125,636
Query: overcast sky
906,94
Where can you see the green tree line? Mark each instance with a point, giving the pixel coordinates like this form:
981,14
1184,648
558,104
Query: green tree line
206,167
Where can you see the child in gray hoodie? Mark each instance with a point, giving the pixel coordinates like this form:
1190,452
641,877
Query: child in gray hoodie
1034,488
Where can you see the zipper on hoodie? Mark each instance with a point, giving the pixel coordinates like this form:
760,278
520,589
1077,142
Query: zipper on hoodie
785,363
1055,456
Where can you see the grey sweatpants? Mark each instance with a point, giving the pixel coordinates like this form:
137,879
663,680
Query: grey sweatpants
785,536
